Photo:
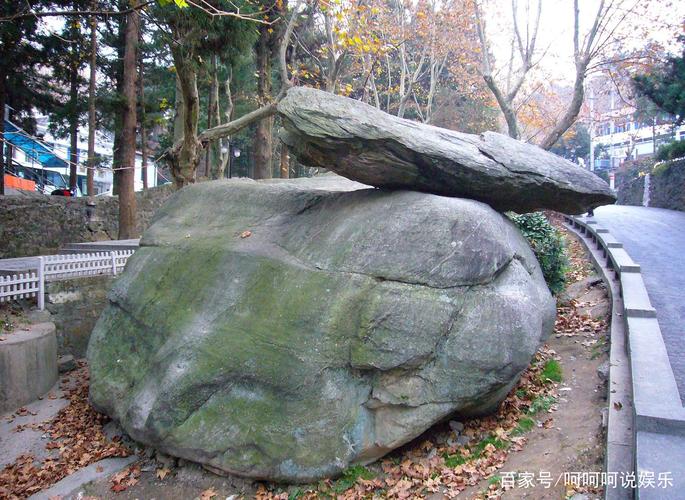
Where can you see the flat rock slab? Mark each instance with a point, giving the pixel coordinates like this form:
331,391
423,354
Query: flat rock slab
367,145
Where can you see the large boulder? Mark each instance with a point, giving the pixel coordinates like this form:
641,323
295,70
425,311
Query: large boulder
367,145
284,330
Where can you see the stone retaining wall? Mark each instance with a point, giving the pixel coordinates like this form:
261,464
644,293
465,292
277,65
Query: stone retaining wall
667,187
34,224
630,189
75,305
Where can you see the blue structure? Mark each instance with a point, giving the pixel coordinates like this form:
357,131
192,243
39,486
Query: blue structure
33,149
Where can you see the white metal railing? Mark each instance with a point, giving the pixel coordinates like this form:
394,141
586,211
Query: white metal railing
60,267
22,286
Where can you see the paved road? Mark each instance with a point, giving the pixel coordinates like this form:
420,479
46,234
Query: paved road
655,239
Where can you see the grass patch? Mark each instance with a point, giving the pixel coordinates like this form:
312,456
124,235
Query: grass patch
476,452
495,480
525,425
350,476
496,442
599,348
541,404
455,460
551,371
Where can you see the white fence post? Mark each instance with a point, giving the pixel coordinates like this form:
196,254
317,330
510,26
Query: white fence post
59,267
41,283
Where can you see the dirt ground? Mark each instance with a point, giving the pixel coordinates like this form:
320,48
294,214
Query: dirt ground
563,434
575,442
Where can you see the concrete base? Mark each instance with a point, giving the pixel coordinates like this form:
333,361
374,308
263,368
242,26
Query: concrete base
28,365
30,440
662,457
71,487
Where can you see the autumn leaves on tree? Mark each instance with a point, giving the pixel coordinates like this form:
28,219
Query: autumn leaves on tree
226,65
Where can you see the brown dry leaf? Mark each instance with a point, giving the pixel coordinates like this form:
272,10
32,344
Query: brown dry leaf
618,405
118,488
208,494
162,473
76,432
246,234
120,476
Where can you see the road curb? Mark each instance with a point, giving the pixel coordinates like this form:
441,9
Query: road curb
657,407
620,447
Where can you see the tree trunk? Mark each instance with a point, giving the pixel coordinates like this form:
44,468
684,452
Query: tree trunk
225,143
73,121
505,106
127,197
143,128
212,155
571,114
118,126
285,162
184,157
90,184
263,136
178,111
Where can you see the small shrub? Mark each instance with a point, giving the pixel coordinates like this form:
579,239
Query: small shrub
548,246
671,151
551,371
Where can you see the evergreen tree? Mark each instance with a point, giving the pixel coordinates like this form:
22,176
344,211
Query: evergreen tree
665,87
23,86
68,54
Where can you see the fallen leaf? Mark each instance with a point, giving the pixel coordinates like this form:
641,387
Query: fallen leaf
208,494
618,405
162,473
246,234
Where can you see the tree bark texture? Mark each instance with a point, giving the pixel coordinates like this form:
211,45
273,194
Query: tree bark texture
262,145
127,198
90,182
143,128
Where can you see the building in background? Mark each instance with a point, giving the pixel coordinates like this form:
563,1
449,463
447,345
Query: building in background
44,159
620,131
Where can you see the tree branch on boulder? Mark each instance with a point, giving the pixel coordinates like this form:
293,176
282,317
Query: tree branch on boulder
184,156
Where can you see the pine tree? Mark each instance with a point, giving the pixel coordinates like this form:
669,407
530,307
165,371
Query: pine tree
665,87
22,86
68,54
